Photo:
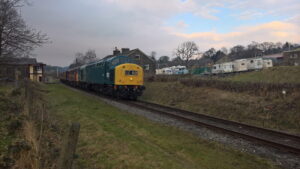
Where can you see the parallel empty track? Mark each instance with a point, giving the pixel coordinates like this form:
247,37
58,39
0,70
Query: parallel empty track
276,139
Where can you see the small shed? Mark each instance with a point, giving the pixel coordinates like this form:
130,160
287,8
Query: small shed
201,71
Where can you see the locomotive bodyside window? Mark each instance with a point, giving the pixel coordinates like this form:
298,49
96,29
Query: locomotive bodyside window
115,62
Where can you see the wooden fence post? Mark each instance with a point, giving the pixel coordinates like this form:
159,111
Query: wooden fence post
69,147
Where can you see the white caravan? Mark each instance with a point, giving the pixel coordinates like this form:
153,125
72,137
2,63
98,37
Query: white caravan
267,63
217,68
255,63
227,67
240,65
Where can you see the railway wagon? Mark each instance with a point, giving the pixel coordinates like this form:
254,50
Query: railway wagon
62,77
116,76
72,76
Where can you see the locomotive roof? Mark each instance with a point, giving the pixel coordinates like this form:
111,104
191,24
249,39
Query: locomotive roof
95,62
104,60
98,61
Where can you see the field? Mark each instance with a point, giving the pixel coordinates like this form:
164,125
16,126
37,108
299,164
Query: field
281,74
256,106
111,138
282,113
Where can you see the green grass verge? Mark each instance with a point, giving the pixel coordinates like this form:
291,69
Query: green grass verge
280,74
5,108
110,138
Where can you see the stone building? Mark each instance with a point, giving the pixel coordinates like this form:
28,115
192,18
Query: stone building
12,69
138,57
292,58
277,58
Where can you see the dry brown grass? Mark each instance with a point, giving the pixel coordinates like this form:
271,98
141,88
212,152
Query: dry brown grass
36,130
276,112
29,159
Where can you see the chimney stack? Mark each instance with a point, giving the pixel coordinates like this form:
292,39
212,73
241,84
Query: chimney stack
116,51
125,50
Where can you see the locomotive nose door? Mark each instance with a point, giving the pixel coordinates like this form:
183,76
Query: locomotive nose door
105,73
112,75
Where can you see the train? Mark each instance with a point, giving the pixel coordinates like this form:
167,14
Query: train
117,76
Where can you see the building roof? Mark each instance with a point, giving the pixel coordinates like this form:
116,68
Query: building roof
274,56
295,50
128,53
19,61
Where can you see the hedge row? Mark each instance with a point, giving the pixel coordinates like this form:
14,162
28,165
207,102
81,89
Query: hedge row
257,88
166,78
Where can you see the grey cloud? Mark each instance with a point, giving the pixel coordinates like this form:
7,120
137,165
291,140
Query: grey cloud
78,25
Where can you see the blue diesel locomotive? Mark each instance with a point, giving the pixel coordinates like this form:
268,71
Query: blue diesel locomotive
117,76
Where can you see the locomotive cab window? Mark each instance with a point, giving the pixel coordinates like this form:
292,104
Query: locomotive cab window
131,73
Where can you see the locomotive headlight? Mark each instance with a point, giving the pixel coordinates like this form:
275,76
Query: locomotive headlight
131,79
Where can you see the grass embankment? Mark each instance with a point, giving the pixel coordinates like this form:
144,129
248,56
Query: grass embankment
267,111
5,107
280,74
110,138
9,121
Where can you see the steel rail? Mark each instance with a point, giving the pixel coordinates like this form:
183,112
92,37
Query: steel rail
271,138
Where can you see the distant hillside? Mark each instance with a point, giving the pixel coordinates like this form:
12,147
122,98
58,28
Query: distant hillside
281,74
52,70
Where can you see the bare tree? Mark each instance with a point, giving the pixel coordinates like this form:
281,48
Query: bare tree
16,39
78,61
209,53
224,50
164,59
81,59
186,51
90,56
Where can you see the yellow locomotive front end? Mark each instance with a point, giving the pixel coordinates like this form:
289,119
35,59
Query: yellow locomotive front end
129,80
129,74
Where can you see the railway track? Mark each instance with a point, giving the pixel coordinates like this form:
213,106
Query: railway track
280,140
